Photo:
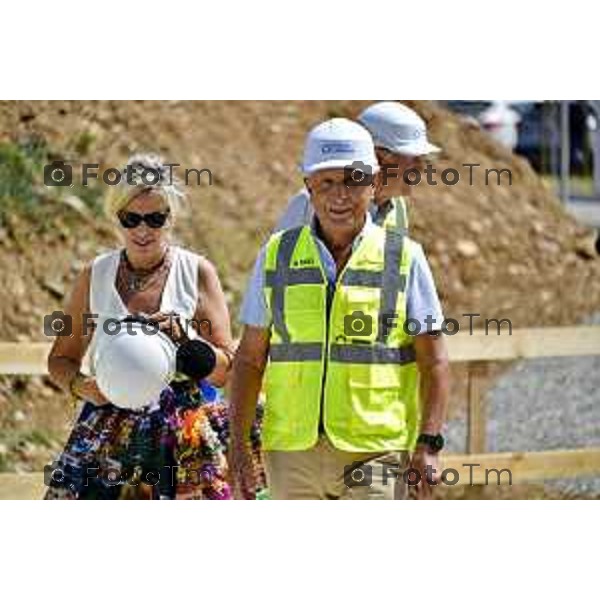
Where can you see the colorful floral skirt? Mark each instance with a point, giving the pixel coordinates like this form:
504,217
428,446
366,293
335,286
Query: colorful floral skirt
176,450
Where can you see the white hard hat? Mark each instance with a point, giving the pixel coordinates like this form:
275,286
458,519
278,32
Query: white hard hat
337,144
397,128
133,370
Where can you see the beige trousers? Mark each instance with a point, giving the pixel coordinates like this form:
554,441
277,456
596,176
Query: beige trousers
325,473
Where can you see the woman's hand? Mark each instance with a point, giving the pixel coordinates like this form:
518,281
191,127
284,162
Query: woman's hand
170,324
86,388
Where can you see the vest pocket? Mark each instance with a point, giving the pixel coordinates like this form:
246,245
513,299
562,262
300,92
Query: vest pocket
356,314
276,410
375,406
304,325
292,404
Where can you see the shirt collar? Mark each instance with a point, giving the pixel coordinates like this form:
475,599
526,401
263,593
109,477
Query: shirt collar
366,228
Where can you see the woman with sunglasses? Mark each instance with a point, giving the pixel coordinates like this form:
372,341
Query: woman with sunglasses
175,447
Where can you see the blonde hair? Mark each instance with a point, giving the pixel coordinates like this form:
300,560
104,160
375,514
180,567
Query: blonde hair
143,167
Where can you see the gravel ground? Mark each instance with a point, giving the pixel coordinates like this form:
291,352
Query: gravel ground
543,404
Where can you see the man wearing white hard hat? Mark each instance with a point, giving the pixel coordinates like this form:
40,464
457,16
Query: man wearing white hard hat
400,137
342,374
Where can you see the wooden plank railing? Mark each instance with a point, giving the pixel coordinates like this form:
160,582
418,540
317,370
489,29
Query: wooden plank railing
524,467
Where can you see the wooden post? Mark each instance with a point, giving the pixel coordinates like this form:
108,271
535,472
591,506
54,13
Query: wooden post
476,419
476,415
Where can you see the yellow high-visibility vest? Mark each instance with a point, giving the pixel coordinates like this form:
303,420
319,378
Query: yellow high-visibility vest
355,370
397,217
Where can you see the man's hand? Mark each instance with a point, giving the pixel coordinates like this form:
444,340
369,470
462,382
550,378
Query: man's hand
246,379
242,468
427,464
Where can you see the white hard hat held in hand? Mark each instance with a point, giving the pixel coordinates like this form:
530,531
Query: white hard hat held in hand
337,144
133,370
397,128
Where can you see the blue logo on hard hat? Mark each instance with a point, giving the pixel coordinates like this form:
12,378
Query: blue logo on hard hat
337,148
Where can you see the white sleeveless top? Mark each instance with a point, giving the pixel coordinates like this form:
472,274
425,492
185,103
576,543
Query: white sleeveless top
179,295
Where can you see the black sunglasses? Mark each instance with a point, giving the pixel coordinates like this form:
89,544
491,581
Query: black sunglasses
155,220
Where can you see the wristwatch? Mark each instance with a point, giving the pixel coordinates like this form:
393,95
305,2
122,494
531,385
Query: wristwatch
434,442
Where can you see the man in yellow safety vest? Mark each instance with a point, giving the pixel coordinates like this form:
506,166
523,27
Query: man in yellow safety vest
331,334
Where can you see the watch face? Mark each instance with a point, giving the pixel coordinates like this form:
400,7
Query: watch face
438,442
434,442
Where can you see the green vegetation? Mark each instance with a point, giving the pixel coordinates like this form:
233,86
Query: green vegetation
22,188
20,166
15,441
38,437
84,142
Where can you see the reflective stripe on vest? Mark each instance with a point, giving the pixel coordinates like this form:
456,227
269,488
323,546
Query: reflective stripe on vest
396,218
300,352
372,354
283,276
389,280
370,386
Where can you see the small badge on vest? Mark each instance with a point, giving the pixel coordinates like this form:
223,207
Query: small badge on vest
303,262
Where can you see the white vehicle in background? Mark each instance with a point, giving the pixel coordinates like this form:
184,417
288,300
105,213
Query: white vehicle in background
502,123
497,117
532,129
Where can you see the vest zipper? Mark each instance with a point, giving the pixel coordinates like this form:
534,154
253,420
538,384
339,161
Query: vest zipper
330,293
330,296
